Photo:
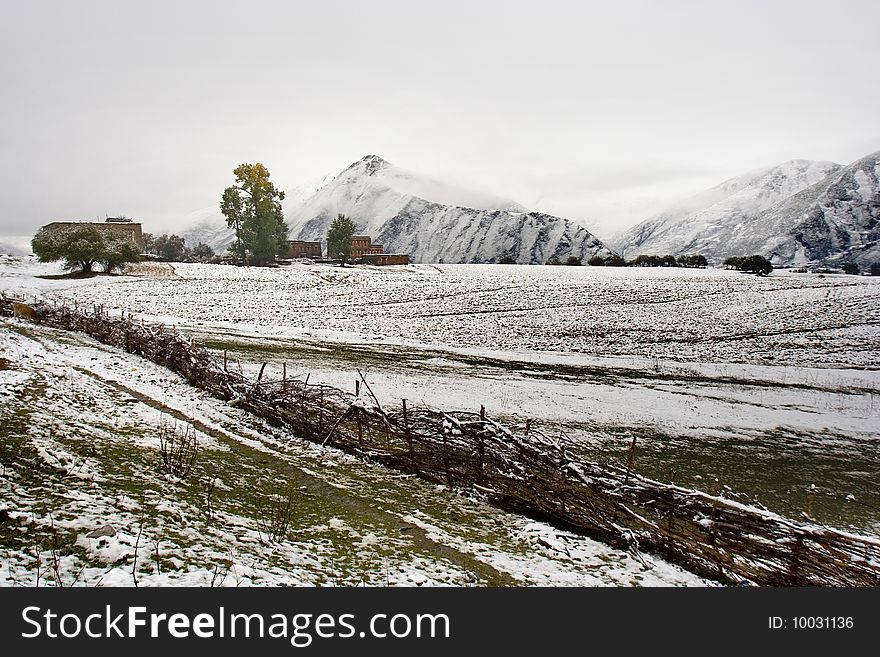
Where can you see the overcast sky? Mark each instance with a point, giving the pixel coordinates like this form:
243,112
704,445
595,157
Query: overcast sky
599,111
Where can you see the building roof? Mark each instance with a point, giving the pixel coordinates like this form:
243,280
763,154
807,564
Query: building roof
92,223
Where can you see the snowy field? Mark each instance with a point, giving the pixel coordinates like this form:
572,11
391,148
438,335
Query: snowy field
767,385
80,451
676,314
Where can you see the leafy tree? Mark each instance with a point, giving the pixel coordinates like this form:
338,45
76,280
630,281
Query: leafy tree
339,236
573,261
506,260
755,264
875,269
596,261
201,252
148,243
734,262
851,268
169,247
117,250
615,260
252,206
693,261
81,246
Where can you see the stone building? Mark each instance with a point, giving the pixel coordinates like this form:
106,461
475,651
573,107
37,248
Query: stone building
116,226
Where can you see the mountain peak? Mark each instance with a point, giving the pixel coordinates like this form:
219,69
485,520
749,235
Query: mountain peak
370,164
435,221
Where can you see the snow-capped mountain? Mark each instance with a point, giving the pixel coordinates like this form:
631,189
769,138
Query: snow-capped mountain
207,226
436,222
834,221
721,222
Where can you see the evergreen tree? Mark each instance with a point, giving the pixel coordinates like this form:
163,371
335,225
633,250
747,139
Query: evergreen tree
253,208
339,236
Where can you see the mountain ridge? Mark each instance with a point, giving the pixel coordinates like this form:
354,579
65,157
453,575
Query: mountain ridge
436,222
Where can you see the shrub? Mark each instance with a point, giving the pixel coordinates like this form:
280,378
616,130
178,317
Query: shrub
506,260
573,261
274,514
178,451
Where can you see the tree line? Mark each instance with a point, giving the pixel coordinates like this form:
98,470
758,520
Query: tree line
173,249
755,264
614,260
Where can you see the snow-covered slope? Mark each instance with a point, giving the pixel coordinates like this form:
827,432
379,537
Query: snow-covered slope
15,244
720,221
207,226
834,221
435,222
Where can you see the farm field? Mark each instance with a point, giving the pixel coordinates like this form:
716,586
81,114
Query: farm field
691,315
766,385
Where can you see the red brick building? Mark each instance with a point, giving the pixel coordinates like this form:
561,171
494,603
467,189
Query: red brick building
361,246
363,250
301,249
386,259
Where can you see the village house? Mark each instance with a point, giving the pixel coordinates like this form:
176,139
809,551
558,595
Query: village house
302,249
116,226
361,246
363,250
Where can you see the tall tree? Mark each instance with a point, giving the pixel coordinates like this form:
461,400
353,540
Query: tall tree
339,236
252,206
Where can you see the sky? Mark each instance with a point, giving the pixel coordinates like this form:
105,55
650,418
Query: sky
602,112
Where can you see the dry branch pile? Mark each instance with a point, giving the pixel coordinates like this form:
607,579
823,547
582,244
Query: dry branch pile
516,468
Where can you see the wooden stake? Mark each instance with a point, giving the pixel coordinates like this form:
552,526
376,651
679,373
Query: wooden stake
811,497
629,461
406,430
446,458
481,449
